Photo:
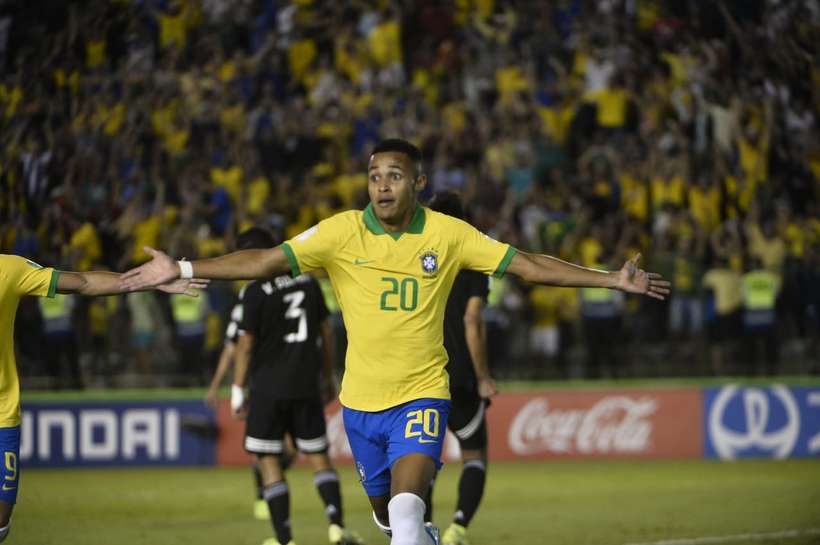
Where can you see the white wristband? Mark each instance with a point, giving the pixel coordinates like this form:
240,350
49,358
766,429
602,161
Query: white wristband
186,270
237,397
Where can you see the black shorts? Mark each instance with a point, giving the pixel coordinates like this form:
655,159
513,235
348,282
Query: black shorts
468,420
269,420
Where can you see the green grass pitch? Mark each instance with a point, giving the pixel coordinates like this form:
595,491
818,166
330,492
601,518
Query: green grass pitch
533,503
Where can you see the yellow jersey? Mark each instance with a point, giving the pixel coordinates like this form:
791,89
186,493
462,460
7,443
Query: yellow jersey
667,191
704,204
553,304
86,242
726,285
392,289
18,277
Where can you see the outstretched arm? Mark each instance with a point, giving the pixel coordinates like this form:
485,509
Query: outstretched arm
551,271
242,265
108,283
89,283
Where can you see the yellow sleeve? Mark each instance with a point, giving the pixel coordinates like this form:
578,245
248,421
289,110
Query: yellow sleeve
478,252
313,249
29,278
708,280
756,240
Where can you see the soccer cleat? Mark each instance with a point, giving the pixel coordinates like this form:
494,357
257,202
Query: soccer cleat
456,534
433,532
342,536
274,541
261,510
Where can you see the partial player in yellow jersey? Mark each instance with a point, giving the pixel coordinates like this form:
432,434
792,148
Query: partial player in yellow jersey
20,277
392,266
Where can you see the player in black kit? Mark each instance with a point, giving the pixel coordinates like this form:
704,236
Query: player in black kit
471,385
251,239
283,348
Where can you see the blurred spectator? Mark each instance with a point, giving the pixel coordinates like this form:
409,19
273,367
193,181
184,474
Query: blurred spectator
553,310
145,321
102,317
685,304
725,306
760,289
602,314
62,358
810,282
190,315
765,244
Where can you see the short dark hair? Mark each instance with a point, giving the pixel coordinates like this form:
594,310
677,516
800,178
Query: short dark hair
255,238
447,202
400,146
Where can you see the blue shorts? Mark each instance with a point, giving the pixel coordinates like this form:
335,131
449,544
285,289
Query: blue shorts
10,449
378,439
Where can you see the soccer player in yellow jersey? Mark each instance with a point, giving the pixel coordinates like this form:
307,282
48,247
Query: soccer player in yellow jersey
392,266
20,277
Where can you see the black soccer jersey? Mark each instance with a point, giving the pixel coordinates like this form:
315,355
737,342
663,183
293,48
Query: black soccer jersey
284,315
232,331
460,365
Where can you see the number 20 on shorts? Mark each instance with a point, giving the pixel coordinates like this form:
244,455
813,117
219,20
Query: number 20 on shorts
424,424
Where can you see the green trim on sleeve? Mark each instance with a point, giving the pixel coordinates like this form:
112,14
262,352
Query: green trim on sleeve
294,264
52,286
505,262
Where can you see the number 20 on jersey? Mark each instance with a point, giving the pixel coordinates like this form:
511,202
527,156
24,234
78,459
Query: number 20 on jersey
400,294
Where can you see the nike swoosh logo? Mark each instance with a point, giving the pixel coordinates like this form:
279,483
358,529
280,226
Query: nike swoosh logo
358,261
6,488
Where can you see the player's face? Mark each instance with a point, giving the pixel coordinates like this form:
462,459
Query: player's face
393,183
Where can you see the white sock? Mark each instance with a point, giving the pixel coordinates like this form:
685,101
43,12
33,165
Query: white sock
407,520
4,531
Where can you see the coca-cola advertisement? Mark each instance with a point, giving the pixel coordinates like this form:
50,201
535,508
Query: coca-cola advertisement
597,424
662,423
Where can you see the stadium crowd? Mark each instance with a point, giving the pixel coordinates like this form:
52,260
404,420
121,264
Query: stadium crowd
586,129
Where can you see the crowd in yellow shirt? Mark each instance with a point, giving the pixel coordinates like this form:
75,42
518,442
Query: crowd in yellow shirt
171,125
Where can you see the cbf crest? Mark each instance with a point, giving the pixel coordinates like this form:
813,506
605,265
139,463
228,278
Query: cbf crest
429,262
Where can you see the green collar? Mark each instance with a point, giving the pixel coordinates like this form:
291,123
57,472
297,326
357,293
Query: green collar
416,226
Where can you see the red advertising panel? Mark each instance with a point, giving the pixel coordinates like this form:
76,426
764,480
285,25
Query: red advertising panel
662,423
597,424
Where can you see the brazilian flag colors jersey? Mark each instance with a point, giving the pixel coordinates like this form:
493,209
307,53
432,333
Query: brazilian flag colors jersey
18,277
393,289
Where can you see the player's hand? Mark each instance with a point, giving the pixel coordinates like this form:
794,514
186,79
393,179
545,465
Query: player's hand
238,402
186,286
212,398
631,279
487,387
160,270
